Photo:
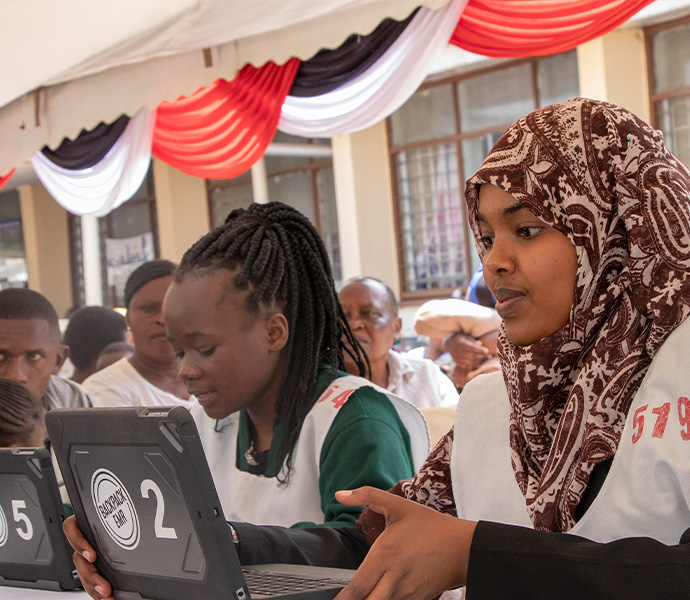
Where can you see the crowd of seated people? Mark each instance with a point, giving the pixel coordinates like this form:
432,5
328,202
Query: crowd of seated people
550,483
254,371
552,442
142,359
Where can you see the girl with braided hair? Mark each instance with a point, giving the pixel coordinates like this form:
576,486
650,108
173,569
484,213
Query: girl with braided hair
253,317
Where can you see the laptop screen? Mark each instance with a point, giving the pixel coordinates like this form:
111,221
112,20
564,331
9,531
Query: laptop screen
133,502
144,497
33,549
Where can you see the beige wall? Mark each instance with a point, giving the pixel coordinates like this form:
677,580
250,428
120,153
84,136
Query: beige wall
182,210
365,205
614,68
46,239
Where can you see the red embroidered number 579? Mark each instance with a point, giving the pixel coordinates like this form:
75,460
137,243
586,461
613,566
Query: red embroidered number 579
662,413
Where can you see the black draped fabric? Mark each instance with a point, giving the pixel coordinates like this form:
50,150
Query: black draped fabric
89,148
330,69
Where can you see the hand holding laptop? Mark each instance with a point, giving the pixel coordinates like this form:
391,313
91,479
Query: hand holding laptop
109,474
84,557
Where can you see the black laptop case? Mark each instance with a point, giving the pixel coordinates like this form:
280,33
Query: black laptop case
33,549
144,497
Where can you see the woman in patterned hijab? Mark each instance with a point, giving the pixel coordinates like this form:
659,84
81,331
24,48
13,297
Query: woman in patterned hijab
604,180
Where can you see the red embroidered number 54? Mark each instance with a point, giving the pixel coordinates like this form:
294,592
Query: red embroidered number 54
339,399
662,414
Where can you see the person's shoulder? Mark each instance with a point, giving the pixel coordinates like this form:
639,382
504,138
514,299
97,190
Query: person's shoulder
423,376
377,413
115,385
363,398
405,362
415,364
111,373
355,397
65,393
59,385
678,338
418,362
485,388
492,380
669,361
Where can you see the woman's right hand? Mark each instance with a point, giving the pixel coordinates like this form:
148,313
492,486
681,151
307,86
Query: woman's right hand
84,556
420,554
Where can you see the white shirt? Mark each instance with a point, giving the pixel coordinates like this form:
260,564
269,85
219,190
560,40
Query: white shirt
647,489
419,381
120,384
263,500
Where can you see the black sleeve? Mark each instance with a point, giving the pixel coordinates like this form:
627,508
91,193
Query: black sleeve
343,547
516,562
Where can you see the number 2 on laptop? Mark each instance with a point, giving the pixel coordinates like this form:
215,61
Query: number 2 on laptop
168,533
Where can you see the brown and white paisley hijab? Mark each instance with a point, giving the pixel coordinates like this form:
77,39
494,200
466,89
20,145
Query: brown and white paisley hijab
605,179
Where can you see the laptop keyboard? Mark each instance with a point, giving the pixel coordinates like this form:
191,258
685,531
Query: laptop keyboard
264,582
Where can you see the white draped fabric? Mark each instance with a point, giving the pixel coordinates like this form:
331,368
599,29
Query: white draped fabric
115,179
67,66
381,89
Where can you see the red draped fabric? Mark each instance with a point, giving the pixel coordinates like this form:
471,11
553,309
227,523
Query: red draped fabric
223,129
517,28
6,178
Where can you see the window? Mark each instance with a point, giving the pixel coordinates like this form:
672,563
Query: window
439,138
13,272
299,172
669,55
129,236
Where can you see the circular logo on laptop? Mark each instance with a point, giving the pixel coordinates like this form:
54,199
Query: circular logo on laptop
115,509
3,527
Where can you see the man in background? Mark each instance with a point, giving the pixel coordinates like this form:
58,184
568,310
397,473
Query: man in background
372,311
31,352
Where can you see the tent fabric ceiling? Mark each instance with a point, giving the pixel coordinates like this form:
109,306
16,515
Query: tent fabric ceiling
134,54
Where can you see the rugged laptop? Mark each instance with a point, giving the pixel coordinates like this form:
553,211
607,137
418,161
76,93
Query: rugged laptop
33,550
144,497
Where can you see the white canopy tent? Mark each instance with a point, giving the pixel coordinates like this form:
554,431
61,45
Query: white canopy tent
70,65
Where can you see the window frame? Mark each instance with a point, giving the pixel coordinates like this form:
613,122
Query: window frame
105,227
412,297
312,167
104,231
654,95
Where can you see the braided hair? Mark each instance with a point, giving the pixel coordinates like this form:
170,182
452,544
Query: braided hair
20,414
276,254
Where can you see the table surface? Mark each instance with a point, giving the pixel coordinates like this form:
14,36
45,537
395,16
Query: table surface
18,593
